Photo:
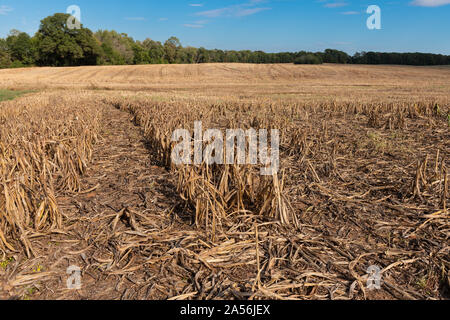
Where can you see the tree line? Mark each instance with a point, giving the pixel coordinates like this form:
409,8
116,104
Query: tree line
55,44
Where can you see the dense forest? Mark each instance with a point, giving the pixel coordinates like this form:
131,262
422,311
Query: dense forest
55,44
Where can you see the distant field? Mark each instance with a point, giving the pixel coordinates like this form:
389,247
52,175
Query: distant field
279,81
87,180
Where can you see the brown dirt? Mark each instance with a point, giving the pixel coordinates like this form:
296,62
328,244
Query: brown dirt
350,174
128,235
121,182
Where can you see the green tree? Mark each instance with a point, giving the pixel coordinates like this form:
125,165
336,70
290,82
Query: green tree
335,56
171,48
5,58
308,59
203,56
118,48
58,45
187,55
20,47
155,51
141,55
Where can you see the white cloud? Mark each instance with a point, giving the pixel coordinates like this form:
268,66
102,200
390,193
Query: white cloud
347,13
248,12
4,10
195,26
430,3
213,13
336,5
196,5
239,10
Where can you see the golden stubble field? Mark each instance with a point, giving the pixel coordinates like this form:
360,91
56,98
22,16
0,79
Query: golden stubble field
277,82
86,180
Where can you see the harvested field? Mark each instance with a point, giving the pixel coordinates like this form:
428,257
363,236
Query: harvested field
87,180
247,81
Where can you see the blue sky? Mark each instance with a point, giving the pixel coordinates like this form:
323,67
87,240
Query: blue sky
268,25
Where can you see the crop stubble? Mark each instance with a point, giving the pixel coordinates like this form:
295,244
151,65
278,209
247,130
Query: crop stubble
87,179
